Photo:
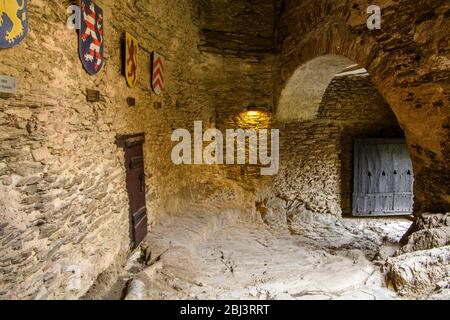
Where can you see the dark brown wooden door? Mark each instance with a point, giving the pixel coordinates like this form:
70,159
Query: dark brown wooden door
383,178
134,162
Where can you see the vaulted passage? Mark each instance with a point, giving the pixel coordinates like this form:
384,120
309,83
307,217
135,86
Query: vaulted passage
325,146
216,149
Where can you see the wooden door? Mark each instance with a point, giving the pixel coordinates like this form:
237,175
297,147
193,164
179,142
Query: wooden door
383,178
134,162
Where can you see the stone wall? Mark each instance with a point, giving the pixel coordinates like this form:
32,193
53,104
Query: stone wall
317,155
237,37
244,28
63,198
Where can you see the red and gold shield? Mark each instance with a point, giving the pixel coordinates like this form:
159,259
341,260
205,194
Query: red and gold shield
131,59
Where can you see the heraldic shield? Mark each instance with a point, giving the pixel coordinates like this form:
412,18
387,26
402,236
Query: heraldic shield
92,43
131,59
13,22
158,73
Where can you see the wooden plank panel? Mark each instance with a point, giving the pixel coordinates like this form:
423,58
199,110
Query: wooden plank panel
383,177
358,204
402,168
384,203
403,203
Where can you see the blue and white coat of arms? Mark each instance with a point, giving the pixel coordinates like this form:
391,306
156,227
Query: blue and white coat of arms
92,43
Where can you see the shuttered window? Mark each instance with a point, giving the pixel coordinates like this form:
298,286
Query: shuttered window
383,178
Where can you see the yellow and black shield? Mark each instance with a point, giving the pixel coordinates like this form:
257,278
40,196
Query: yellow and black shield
13,22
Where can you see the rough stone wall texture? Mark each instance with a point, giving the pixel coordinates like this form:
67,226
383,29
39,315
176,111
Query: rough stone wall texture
238,27
317,155
63,199
247,83
237,37
408,60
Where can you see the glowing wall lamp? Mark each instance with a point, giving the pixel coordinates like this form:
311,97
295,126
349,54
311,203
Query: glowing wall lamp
254,117
254,111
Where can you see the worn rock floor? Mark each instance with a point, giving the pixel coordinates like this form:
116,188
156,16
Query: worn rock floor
206,256
248,262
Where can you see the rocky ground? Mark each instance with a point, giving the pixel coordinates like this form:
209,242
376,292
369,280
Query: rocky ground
311,256
421,268
222,256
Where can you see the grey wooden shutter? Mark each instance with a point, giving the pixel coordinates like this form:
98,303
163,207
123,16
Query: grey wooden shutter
383,178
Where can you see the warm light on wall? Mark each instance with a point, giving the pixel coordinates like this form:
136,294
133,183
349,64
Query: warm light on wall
254,117
252,113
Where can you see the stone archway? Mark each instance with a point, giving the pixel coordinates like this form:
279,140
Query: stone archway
328,104
301,97
408,60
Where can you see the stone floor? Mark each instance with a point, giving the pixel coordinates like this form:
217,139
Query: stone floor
205,256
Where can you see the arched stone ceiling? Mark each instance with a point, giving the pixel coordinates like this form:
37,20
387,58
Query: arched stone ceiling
301,97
